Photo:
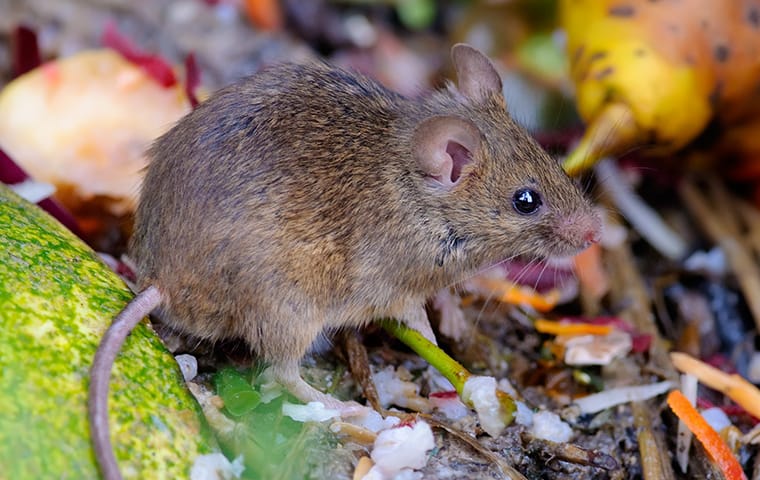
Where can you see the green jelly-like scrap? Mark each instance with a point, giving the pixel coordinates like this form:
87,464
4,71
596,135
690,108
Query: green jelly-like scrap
56,301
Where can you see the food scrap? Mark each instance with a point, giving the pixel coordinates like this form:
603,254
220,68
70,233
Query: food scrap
732,385
399,449
554,327
715,446
616,396
83,123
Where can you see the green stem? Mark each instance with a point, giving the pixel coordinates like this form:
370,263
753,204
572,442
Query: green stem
440,360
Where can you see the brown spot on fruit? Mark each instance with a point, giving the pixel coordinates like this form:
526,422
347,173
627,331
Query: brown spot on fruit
622,11
715,94
578,53
598,56
604,73
753,17
721,53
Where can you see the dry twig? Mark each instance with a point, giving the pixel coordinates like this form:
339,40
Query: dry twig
655,461
358,363
570,452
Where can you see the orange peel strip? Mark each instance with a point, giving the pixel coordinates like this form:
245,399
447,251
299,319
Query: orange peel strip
508,292
553,327
714,445
731,385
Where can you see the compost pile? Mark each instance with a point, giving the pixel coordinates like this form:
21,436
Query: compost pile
638,358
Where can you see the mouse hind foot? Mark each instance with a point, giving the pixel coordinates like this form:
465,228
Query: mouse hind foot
289,377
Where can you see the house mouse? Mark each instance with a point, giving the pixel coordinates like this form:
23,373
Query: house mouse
306,198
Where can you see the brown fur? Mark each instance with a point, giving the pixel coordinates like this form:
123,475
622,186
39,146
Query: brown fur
290,203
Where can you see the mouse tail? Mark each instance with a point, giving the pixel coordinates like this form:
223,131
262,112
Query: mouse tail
100,376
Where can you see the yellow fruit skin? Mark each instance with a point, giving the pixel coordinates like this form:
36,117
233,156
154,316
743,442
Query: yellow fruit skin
614,60
666,100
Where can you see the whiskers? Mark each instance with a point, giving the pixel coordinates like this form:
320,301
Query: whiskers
487,296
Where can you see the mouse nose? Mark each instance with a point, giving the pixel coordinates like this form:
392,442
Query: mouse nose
593,236
581,229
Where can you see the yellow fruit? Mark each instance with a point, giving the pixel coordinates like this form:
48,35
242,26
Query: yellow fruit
654,74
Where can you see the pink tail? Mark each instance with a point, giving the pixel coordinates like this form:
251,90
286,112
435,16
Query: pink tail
100,376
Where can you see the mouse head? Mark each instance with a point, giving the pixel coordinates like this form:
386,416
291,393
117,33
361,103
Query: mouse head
498,190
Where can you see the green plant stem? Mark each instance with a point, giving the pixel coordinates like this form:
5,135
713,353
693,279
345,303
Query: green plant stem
440,360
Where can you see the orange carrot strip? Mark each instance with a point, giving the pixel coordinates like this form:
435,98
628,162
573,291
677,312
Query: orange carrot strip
265,14
562,328
590,271
731,385
714,445
508,292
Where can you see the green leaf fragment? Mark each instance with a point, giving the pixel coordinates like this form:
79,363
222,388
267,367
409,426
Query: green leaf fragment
238,394
416,14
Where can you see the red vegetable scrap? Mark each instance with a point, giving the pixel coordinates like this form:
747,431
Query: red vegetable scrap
11,174
154,65
192,79
640,342
721,362
447,395
541,277
26,51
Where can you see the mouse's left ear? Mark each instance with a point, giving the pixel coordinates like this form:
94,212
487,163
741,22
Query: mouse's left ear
477,78
443,145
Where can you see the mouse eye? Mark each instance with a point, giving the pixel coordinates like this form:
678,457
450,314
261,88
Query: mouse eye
526,201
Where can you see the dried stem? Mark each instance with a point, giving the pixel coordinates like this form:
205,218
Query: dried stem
655,461
751,217
569,452
358,363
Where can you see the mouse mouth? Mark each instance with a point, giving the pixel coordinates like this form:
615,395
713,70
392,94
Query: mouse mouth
543,275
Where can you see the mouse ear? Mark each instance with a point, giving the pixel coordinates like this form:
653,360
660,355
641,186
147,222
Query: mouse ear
477,78
443,145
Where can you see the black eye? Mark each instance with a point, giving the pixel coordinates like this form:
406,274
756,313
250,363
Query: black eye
526,201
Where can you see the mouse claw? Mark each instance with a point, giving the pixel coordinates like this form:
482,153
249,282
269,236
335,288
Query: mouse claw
354,409
347,409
